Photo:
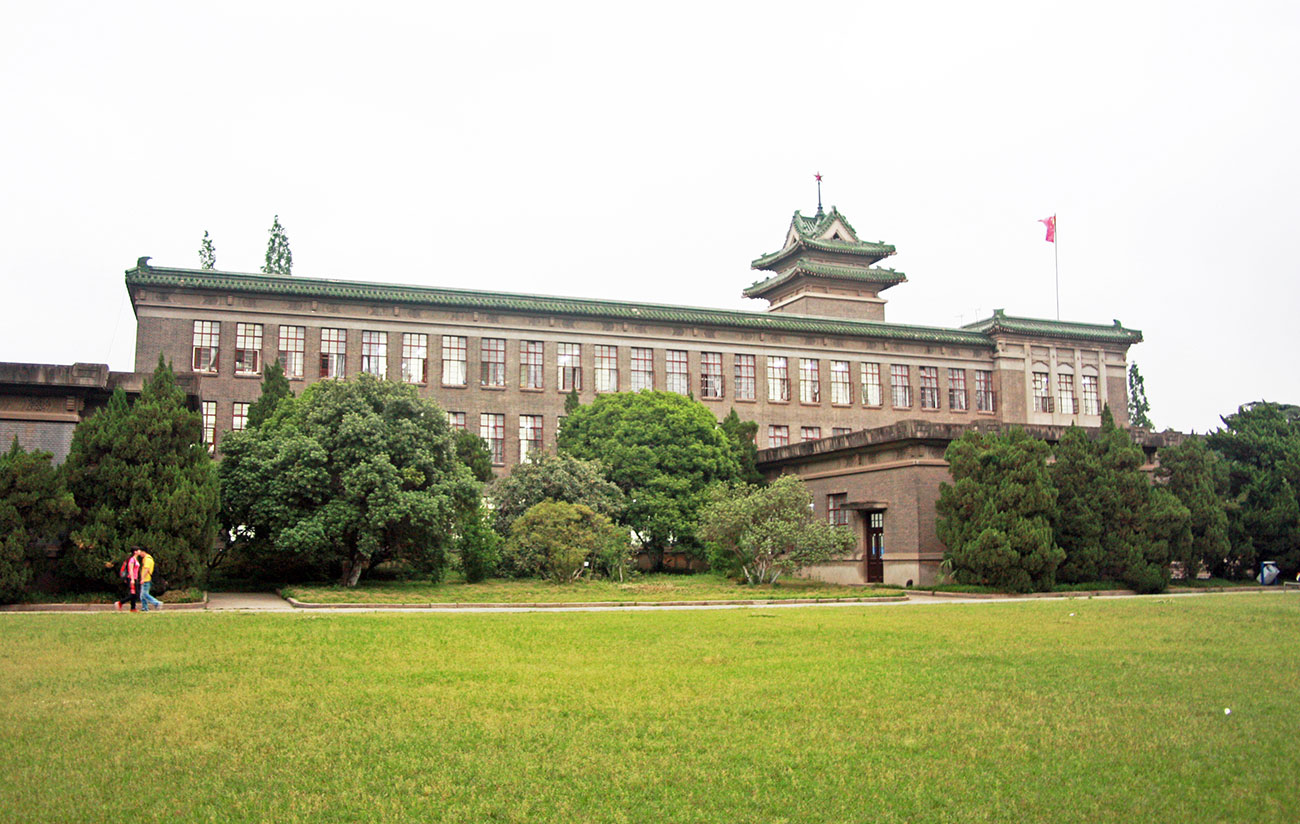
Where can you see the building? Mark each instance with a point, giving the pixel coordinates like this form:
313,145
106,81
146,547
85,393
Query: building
40,404
820,362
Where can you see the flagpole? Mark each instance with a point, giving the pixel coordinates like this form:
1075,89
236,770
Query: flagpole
1056,257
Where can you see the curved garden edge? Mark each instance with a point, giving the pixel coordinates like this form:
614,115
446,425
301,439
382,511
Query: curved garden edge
596,604
193,605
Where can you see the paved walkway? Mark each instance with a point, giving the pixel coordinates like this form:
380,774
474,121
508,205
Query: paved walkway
250,601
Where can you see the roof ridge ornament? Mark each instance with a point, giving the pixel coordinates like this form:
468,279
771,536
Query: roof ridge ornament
818,175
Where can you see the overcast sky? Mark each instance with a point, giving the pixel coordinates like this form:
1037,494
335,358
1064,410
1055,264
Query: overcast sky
650,152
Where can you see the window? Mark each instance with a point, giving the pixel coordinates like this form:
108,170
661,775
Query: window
293,350
333,352
836,514
374,354
984,391
929,387
957,390
643,369
209,412
454,370
810,385
248,348
1065,393
871,394
569,361
207,334
1042,393
841,392
239,418
415,359
778,435
456,420
1091,399
492,429
677,371
492,362
606,368
530,435
530,364
836,431
778,379
900,385
810,433
744,387
711,375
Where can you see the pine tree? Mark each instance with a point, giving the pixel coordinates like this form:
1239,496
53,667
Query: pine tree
996,517
279,260
1198,476
1137,399
742,435
142,478
207,253
34,506
571,402
1078,523
275,387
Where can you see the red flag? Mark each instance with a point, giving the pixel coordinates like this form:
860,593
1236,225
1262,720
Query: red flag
1050,223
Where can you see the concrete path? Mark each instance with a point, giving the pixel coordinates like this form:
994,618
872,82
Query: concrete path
250,601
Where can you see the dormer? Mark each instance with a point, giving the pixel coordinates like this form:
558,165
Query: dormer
824,270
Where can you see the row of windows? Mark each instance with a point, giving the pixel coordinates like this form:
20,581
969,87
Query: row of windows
779,435
1065,400
493,354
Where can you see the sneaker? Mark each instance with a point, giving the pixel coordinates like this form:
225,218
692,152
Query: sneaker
157,606
117,605
133,609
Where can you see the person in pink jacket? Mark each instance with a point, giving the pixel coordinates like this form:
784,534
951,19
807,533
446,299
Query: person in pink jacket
130,572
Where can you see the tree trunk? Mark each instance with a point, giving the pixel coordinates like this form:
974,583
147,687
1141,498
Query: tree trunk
352,571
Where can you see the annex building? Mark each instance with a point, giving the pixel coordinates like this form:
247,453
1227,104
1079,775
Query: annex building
820,362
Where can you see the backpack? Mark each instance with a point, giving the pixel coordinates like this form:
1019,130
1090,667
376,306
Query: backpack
122,572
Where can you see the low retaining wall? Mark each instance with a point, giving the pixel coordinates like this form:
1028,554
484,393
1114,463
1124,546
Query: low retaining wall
96,607
590,604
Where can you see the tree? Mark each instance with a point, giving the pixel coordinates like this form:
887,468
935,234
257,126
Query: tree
347,476
1198,477
478,545
474,453
996,517
1137,399
561,540
571,402
556,478
142,478
275,388
279,260
663,450
764,531
1261,445
1110,523
1078,525
35,505
743,436
207,253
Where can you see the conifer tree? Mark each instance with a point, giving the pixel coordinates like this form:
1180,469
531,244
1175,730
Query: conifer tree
279,260
996,517
1137,399
142,478
207,253
742,435
275,387
1078,525
34,506
1198,477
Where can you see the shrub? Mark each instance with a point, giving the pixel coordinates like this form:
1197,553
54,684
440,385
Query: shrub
558,540
479,545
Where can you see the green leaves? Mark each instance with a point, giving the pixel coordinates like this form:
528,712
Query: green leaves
349,475
279,260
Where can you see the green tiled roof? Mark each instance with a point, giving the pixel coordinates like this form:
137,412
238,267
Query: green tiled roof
807,230
473,300
877,274
1002,322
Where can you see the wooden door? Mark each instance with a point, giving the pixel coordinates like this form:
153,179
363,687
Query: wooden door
875,565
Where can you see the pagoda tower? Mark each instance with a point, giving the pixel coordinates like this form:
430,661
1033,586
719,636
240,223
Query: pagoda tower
825,271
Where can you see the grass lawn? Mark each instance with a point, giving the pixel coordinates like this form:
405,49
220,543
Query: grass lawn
1058,710
532,591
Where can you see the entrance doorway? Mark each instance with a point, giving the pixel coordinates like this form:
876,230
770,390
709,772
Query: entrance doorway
874,563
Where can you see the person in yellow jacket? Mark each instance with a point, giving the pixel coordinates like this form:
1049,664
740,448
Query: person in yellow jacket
146,580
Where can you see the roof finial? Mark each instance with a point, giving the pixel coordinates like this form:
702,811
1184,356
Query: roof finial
818,175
